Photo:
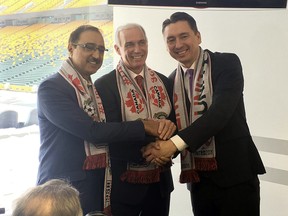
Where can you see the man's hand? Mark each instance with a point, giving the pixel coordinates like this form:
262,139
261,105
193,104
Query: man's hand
161,128
159,152
159,161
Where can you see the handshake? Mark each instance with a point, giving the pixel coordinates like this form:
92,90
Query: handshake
161,151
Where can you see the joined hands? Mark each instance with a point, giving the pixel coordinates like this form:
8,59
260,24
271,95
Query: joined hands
161,151
160,128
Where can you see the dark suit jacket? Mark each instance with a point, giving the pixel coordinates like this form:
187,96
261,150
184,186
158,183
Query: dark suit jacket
64,127
122,152
237,157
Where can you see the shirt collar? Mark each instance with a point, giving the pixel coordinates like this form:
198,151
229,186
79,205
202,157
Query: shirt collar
133,75
185,69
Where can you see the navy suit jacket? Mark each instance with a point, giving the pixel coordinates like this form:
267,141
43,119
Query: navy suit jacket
63,128
236,154
122,152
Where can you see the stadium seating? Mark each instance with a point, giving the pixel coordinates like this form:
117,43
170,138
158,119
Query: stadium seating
32,118
31,53
8,119
28,6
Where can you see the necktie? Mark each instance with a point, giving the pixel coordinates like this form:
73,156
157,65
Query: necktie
139,81
190,74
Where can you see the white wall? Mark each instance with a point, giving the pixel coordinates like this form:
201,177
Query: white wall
260,38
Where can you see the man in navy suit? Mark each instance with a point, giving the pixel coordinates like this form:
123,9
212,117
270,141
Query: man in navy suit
73,129
219,160
129,92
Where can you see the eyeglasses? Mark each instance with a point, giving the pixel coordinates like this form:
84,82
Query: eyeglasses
96,213
91,47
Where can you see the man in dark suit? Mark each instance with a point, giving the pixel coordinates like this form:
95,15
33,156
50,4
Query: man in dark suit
138,188
73,131
219,160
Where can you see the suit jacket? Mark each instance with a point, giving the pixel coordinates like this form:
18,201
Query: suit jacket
63,128
237,157
122,152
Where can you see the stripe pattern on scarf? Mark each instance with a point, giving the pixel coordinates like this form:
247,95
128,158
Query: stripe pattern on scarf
134,105
204,158
90,101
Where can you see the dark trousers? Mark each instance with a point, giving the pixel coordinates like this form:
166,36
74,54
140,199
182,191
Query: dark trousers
91,190
208,199
153,204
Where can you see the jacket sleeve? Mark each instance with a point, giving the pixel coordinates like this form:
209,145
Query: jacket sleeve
57,103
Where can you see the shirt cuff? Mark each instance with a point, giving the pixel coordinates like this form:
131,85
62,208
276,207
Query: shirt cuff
179,143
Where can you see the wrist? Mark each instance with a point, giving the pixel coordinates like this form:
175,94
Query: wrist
179,143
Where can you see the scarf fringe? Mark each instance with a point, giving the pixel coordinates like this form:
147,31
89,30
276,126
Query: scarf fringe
201,164
141,177
189,176
205,164
95,161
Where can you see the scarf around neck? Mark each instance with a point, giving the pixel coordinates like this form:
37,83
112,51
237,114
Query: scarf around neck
97,156
134,105
204,158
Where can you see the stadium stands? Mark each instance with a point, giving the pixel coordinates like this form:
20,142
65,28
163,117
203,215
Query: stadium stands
32,52
33,44
28,6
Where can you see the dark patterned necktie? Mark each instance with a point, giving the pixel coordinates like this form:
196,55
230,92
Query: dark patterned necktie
139,81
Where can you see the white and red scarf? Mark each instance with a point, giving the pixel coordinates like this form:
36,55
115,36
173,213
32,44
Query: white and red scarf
134,105
97,156
204,158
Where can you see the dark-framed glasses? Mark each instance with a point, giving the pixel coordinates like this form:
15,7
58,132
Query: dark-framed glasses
92,47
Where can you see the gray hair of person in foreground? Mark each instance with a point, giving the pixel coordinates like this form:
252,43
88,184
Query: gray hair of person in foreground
53,198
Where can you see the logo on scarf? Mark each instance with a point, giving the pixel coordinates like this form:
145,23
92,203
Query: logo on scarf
76,82
160,115
134,101
89,108
157,96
